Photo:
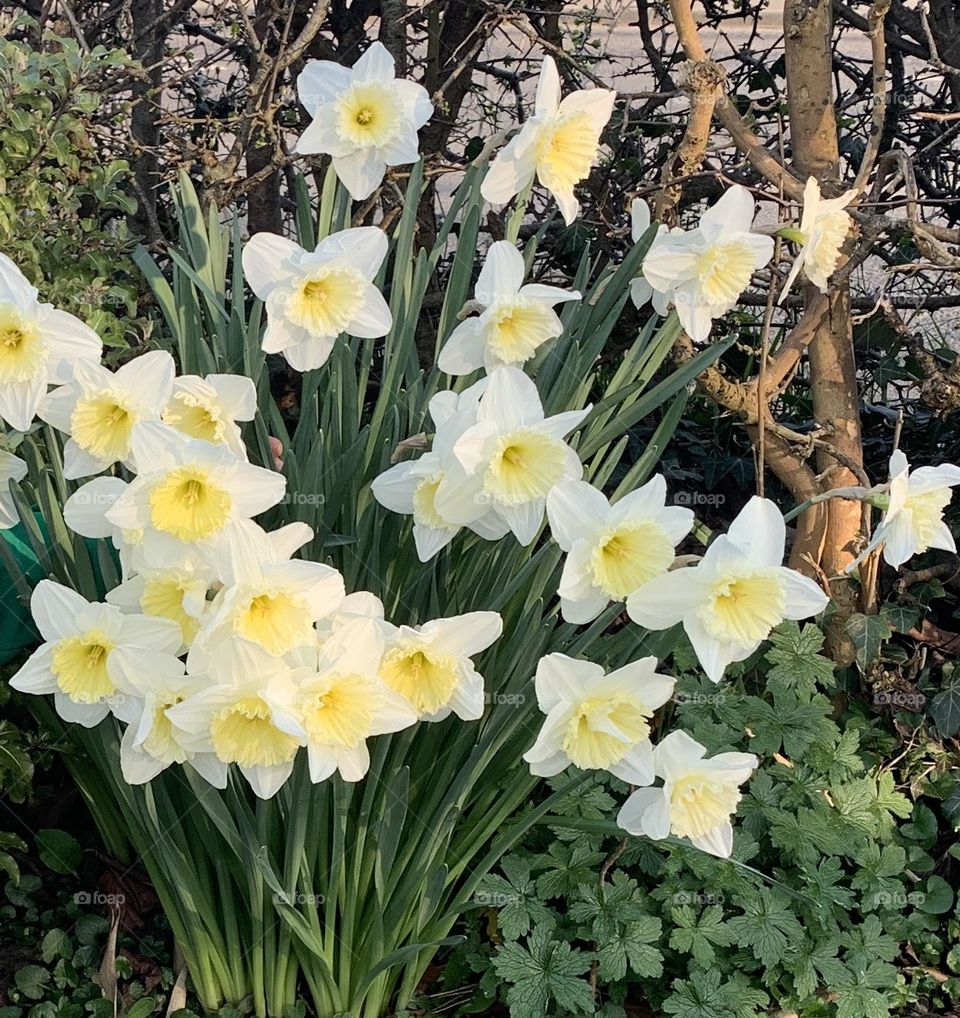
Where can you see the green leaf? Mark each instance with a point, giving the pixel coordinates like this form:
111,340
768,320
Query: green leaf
698,935
796,658
59,851
944,708
544,971
868,633
32,981
768,927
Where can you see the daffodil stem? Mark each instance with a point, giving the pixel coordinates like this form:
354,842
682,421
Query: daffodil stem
851,494
519,211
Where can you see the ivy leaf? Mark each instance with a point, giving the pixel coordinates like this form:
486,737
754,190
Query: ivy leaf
796,659
544,971
944,708
697,935
868,633
767,926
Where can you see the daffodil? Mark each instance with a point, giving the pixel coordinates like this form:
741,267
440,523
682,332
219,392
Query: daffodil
209,408
704,271
510,459
267,598
39,346
824,225
364,117
516,319
612,551
735,595
12,468
245,714
313,296
913,510
698,797
177,590
189,492
85,513
150,683
558,145
597,721
99,409
411,487
430,666
343,702
79,641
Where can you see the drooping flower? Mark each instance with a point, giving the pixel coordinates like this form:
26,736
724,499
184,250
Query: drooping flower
509,459
189,492
150,683
12,468
698,797
79,641
430,666
267,598
312,297
913,513
612,551
342,701
209,408
558,145
824,225
411,487
39,346
597,721
364,117
735,595
704,271
245,714
516,320
99,409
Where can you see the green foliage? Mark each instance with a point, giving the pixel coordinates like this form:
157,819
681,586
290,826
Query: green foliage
63,199
832,874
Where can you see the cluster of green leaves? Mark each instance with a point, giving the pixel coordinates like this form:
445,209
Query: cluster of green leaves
62,198
834,871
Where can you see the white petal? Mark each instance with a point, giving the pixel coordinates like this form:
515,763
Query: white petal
429,541
237,395
805,598
464,635
267,781
149,380
561,679
14,285
19,401
576,511
394,488
376,64
360,172
68,340
759,527
646,812
320,82
309,355
502,274
55,609
374,319
464,349
667,599
714,655
361,247
548,88
34,675
512,169
524,520
733,212
268,261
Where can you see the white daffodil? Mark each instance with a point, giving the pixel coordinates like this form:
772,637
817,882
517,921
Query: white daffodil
39,346
246,714
515,322
12,468
267,598
558,145
312,297
209,408
704,271
411,487
430,666
597,721
342,702
913,511
149,683
698,797
824,225
735,595
99,409
612,551
85,513
510,459
189,491
640,290
80,639
364,117
176,590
